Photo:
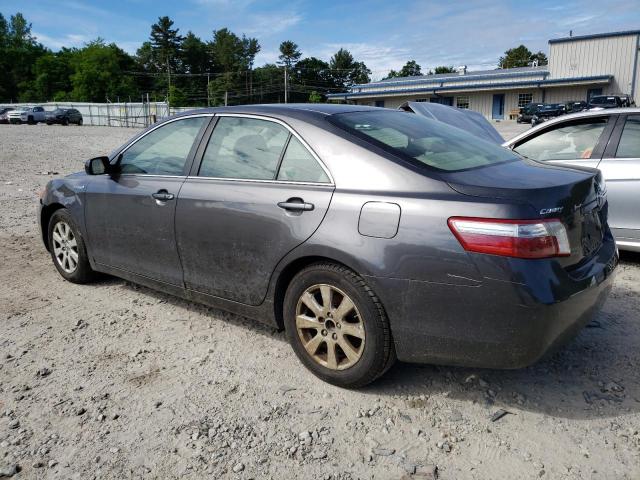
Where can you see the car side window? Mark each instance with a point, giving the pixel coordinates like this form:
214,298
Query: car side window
567,141
629,146
163,151
244,148
298,165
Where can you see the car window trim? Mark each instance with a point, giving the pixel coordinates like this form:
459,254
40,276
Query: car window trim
190,157
205,142
282,154
614,143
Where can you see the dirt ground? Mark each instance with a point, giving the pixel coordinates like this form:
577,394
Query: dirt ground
112,380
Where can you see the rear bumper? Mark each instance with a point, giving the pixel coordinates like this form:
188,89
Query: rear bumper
495,324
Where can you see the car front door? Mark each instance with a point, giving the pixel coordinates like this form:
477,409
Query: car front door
620,167
257,193
130,212
579,142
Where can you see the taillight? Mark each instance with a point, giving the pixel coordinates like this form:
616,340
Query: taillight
512,238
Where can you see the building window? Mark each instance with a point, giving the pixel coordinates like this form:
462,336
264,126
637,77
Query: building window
524,99
379,103
421,99
462,102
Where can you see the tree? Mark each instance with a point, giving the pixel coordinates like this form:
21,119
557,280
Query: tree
99,73
315,97
194,55
444,69
166,45
52,73
410,69
540,57
521,56
346,71
289,53
233,56
268,84
19,51
314,73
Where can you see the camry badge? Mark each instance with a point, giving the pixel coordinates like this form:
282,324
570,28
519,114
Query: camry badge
546,211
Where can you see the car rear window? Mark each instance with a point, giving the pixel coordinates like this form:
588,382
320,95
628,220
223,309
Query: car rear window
421,140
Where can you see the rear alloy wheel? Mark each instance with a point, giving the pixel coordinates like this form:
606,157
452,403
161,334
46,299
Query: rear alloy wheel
67,248
330,327
337,326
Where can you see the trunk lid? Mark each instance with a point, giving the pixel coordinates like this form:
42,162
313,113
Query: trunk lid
575,195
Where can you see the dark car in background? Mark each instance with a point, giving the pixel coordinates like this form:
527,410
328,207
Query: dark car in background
367,234
63,116
575,106
4,117
607,101
547,111
528,112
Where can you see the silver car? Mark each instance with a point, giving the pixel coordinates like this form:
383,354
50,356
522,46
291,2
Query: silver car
606,139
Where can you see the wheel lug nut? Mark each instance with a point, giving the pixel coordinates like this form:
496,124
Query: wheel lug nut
338,325
324,333
334,336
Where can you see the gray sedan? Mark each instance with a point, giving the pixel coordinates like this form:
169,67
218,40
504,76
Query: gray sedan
367,234
606,139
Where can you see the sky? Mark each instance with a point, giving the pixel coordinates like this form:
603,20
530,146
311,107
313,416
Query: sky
383,34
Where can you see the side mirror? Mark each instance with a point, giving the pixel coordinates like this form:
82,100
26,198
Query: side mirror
97,166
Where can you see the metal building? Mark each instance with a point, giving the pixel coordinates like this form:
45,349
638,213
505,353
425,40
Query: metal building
579,67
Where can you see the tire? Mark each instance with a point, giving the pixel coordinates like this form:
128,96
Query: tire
82,273
30,121
80,122
65,122
373,345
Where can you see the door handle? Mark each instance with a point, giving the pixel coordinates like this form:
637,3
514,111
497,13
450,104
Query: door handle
296,205
162,196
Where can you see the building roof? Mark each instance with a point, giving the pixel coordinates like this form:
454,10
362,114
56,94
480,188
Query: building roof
595,35
444,76
442,87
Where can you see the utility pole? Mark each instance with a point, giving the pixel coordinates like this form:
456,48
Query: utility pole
225,97
168,76
286,97
208,95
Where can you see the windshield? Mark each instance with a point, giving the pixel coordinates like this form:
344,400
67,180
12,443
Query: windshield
421,140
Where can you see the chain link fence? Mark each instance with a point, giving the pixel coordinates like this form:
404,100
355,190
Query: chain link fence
124,114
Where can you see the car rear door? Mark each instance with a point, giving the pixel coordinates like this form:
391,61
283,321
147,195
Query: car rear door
256,193
130,213
620,167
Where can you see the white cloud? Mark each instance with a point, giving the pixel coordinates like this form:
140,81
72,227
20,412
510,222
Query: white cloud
69,40
379,57
268,24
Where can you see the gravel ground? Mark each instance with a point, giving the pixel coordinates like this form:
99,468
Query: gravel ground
112,380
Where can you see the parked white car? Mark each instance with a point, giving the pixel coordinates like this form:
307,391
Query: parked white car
15,116
33,115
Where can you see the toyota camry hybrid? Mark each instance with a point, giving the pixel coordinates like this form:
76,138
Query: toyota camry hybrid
367,234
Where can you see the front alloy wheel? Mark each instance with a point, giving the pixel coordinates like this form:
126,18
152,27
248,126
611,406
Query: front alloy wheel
65,247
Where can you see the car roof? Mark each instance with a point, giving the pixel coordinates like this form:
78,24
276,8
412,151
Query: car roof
571,116
298,110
